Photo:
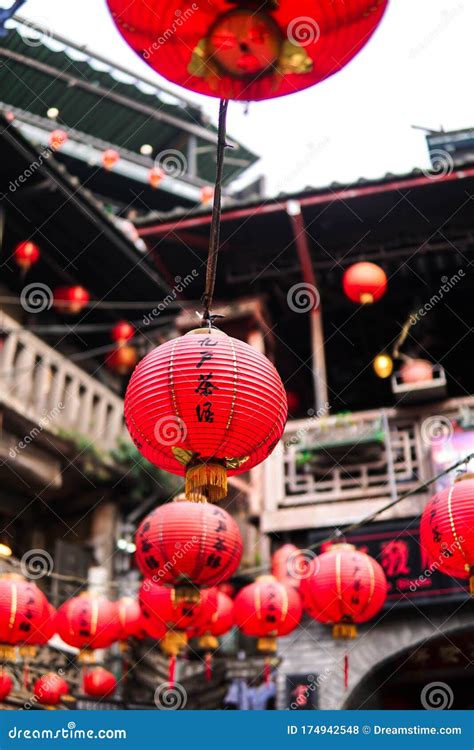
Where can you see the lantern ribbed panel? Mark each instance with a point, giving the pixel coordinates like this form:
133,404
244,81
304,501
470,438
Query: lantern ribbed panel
345,586
221,620
162,611
184,541
99,683
22,607
242,405
88,622
267,608
364,282
327,34
130,618
49,689
447,529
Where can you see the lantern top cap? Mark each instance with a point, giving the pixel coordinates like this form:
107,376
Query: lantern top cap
341,547
464,476
266,579
207,331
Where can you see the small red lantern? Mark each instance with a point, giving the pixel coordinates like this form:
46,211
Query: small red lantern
206,195
6,684
294,401
364,283
346,587
57,139
188,545
70,300
99,683
122,332
155,177
247,51
207,406
88,621
447,530
21,610
50,688
110,157
26,254
122,360
289,565
416,371
267,609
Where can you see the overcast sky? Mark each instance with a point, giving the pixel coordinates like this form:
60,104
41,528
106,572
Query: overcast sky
416,70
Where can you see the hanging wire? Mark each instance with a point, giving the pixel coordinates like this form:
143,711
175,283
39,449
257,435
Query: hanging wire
106,305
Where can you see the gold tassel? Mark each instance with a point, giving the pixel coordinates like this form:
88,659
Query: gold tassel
7,652
86,656
174,642
366,298
28,652
208,642
267,645
208,480
344,630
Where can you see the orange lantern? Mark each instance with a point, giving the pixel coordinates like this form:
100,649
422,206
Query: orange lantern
70,300
122,360
364,283
26,254
155,177
416,371
110,157
206,195
122,331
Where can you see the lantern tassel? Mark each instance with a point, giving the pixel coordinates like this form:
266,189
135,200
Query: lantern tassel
344,630
171,671
209,480
346,670
208,666
267,670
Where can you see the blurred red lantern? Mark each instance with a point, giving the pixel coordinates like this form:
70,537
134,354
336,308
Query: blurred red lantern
447,530
45,628
206,195
247,51
416,371
57,139
122,360
26,254
6,684
70,300
364,283
110,157
155,177
207,406
50,688
227,588
220,622
130,618
346,587
267,609
99,683
88,621
122,332
21,611
293,401
188,545
289,565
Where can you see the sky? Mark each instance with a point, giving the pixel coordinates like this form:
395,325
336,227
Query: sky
415,70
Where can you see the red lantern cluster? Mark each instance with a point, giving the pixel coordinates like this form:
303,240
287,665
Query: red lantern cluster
26,254
57,139
88,622
110,157
99,683
188,545
247,51
346,587
70,300
364,283
207,406
447,530
50,688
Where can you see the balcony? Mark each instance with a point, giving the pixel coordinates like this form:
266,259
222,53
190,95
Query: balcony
338,469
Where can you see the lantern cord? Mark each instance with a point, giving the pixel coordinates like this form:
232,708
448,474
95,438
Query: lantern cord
215,230
346,670
171,671
208,666
402,338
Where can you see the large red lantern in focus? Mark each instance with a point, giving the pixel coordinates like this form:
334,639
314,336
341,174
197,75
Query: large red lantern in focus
188,545
364,283
88,621
447,530
21,611
99,683
26,254
6,684
247,51
346,587
205,405
70,300
267,609
50,688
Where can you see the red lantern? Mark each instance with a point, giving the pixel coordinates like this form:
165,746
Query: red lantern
110,157
99,683
26,254
21,611
70,300
447,530
45,628
122,360
416,371
155,177
346,587
218,624
289,565
122,332
205,405
188,545
57,139
6,684
293,401
227,588
88,621
206,195
130,618
254,50
50,688
364,283
267,609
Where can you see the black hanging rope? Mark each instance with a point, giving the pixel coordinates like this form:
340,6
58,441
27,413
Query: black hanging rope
214,238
